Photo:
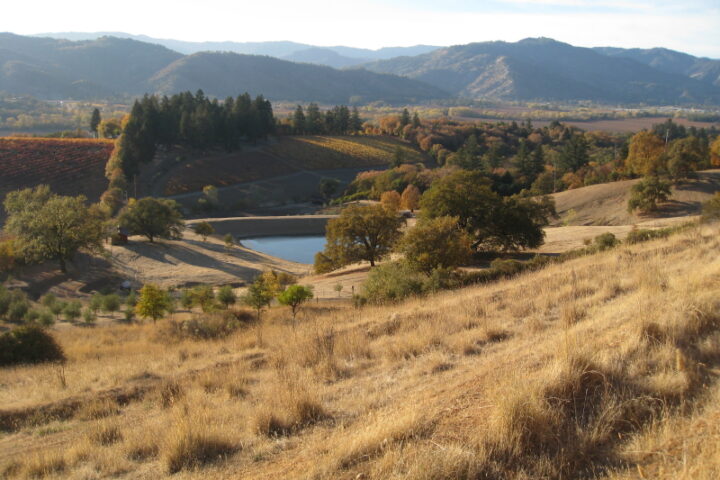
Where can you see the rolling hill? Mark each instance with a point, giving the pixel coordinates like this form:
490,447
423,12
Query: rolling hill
294,51
68,166
223,74
670,61
62,69
544,69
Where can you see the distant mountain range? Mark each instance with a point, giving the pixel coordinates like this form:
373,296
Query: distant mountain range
531,69
542,68
336,57
108,66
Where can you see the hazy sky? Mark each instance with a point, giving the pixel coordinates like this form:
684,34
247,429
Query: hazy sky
692,26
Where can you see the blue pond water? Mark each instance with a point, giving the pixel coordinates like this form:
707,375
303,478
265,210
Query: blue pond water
301,249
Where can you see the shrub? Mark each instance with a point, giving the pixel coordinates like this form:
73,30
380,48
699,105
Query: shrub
28,344
391,282
436,243
88,316
17,310
506,267
111,303
711,209
72,311
209,327
605,241
226,296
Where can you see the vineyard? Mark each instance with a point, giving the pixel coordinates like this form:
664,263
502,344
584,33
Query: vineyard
69,166
284,156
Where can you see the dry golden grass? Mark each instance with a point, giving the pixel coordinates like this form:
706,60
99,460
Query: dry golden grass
606,365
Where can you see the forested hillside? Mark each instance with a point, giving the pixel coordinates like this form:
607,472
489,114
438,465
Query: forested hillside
542,68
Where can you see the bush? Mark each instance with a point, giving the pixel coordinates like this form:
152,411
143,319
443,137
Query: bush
72,311
605,241
17,310
210,327
711,209
28,344
391,282
226,296
645,195
111,303
506,267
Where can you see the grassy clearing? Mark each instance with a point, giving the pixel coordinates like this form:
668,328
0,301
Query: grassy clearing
602,366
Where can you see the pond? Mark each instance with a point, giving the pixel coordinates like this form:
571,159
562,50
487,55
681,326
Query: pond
301,249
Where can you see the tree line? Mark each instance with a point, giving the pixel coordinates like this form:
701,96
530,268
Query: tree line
312,120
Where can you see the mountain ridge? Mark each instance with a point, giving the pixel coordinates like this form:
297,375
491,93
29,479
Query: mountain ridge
108,66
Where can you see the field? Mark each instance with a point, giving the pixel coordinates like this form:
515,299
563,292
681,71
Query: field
69,166
606,204
605,367
281,156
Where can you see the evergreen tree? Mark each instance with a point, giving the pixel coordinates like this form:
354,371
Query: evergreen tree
298,121
95,121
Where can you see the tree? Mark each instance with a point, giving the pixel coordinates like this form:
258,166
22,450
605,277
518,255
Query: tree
436,243
210,199
645,154
52,227
398,157
684,156
507,223
361,233
95,121
226,296
294,296
390,200
111,303
204,229
328,187
259,295
410,198
715,152
645,195
574,153
298,121
153,218
110,128
204,297
153,302
229,240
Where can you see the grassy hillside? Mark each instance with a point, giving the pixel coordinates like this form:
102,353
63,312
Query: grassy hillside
606,204
604,366
69,166
282,156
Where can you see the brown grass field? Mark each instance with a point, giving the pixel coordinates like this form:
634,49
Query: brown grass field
605,366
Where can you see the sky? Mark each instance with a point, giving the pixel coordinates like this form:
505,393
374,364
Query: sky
691,26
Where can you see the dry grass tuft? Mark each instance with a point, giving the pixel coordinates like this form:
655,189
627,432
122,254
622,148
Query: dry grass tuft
105,434
192,443
169,393
41,465
97,409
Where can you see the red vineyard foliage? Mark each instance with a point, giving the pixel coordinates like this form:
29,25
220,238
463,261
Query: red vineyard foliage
70,166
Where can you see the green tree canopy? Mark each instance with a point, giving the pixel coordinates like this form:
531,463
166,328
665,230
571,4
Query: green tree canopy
294,296
361,233
95,120
436,243
153,217
52,227
494,222
646,194
204,229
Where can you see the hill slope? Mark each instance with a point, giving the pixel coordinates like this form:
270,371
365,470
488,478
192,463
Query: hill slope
59,69
704,69
606,204
69,166
586,368
221,74
541,68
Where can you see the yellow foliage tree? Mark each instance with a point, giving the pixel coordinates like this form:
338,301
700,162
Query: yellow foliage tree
715,152
410,198
645,154
391,200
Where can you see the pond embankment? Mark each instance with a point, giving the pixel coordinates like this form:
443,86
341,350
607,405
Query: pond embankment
249,227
